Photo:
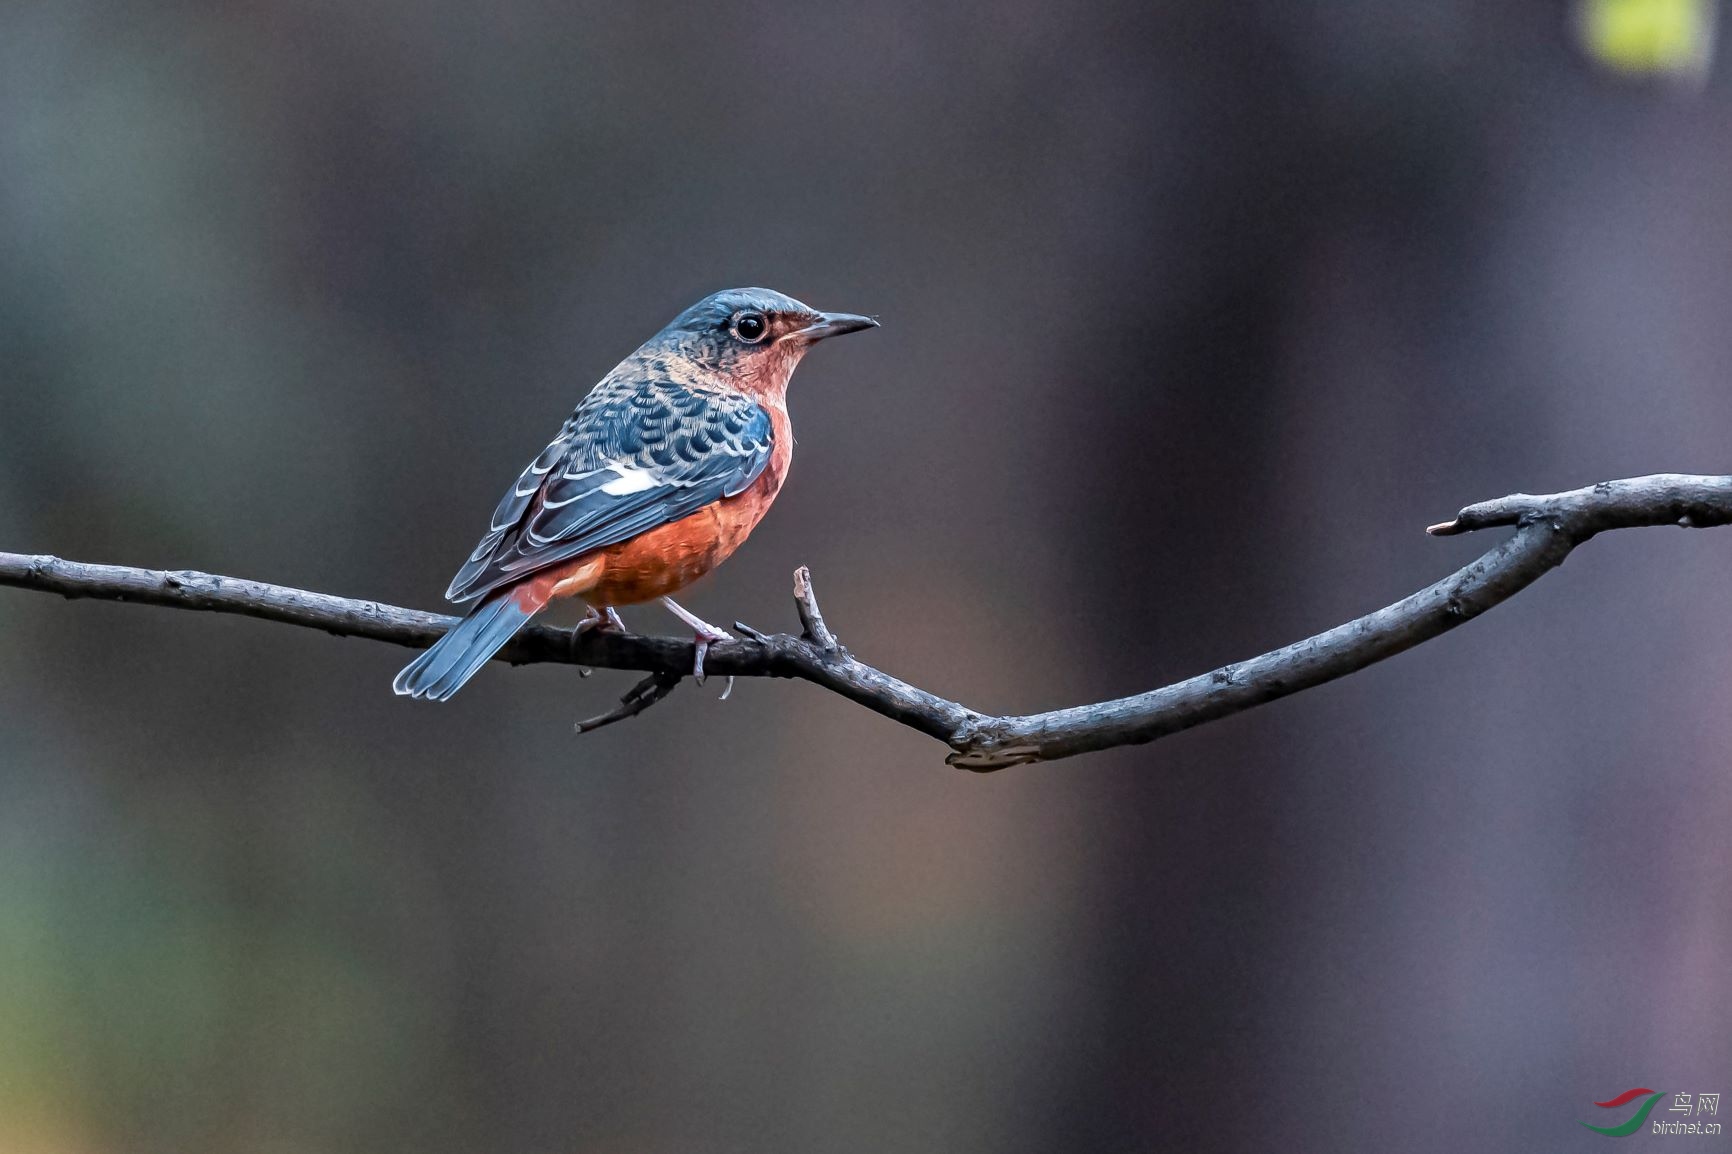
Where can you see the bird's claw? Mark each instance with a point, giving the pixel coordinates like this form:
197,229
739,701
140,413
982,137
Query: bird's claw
703,633
606,620
702,639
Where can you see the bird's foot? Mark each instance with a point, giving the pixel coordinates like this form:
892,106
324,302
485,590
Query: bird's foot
703,635
605,619
703,639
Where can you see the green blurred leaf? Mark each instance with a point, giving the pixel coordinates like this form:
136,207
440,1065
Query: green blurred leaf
1641,37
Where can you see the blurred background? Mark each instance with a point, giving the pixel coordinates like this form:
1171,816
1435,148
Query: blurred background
1194,316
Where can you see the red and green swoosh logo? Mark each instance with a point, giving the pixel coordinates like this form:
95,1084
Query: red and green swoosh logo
1635,1122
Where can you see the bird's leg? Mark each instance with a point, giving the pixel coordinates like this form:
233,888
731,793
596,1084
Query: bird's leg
703,633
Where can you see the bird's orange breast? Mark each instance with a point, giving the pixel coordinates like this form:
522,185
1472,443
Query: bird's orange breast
662,560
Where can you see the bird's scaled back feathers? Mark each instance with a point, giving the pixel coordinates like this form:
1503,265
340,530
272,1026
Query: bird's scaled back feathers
640,451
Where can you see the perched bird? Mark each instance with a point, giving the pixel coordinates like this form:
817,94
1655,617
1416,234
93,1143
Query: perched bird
654,480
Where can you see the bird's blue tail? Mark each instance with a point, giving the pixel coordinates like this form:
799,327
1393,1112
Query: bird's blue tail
460,654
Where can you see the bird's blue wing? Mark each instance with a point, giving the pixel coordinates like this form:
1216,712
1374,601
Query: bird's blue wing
632,457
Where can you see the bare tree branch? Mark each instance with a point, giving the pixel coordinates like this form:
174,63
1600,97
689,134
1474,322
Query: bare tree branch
1547,529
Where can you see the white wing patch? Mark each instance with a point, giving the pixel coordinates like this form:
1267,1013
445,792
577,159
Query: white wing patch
628,479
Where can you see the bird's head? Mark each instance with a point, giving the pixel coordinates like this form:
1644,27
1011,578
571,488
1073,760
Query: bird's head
752,336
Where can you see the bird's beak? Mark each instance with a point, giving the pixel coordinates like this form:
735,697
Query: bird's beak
834,325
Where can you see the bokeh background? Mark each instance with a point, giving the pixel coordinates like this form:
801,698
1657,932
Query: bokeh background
1194,316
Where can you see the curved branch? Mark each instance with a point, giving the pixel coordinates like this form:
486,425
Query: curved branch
1547,529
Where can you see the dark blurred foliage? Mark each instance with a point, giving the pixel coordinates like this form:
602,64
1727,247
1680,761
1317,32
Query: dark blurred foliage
1194,315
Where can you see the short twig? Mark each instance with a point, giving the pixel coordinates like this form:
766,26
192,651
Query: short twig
635,700
811,620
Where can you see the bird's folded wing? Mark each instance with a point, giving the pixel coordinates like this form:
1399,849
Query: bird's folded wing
631,458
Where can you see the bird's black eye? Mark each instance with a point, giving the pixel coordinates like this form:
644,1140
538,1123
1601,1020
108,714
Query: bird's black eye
750,327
